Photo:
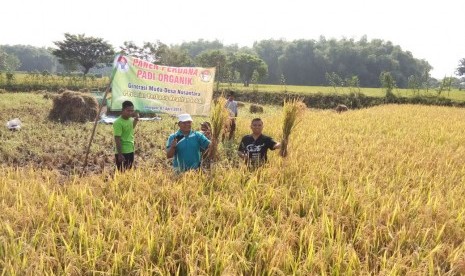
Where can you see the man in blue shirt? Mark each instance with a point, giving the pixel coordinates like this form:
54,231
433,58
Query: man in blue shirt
185,145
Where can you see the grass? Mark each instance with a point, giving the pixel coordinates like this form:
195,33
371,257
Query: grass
93,83
454,94
30,81
372,191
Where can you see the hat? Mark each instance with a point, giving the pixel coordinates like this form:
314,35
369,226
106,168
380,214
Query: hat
184,118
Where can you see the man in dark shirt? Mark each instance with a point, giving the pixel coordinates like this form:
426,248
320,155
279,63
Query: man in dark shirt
253,147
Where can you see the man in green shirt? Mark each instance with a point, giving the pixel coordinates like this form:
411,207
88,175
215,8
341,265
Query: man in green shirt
123,129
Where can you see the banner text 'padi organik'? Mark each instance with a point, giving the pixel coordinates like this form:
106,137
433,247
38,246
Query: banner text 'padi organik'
158,88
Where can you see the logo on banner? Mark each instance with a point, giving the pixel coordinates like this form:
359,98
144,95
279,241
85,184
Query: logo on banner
205,75
122,64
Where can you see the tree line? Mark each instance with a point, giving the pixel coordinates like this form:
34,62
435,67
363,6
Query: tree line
299,62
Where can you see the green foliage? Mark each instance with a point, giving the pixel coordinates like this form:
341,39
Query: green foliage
303,62
352,100
388,83
283,83
10,78
195,48
426,78
88,52
157,53
175,56
33,58
334,80
353,83
214,58
461,67
246,65
254,80
34,81
150,52
270,52
445,85
414,83
8,62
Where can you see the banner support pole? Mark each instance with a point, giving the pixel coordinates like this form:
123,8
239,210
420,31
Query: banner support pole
96,120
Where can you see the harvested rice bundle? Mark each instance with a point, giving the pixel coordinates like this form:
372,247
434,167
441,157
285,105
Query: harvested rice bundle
71,106
292,111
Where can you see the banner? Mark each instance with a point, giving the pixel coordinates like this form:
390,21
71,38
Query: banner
158,88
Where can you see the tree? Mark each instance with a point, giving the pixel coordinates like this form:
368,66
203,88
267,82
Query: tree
334,80
426,78
300,65
414,83
461,67
151,52
194,48
445,85
388,83
353,83
213,58
33,58
270,51
174,56
85,51
157,53
283,83
246,65
8,62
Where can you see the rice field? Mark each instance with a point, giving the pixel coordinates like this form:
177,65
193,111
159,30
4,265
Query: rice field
375,191
454,94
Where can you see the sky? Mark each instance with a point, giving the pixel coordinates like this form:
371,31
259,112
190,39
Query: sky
430,30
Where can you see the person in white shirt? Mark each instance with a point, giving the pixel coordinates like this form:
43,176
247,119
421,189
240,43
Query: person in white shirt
231,105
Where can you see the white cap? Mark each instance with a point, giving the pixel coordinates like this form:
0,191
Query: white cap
184,118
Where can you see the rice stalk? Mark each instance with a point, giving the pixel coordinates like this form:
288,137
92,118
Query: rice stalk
292,112
219,117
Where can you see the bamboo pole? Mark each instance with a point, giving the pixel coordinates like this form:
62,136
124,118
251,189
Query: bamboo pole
97,119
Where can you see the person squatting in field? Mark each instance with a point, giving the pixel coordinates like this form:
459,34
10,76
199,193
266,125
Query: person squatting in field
185,145
123,129
254,147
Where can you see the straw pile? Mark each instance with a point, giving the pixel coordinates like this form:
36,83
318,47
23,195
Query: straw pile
50,96
73,106
255,108
341,108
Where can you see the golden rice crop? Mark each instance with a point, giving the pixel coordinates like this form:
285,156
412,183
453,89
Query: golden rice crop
219,118
374,192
